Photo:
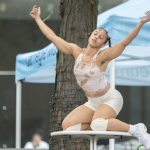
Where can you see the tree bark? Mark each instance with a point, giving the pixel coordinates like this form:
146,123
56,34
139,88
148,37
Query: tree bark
79,17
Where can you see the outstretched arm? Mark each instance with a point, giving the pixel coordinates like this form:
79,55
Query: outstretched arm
61,44
118,48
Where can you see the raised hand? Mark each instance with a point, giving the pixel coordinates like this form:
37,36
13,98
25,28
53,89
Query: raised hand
35,13
147,18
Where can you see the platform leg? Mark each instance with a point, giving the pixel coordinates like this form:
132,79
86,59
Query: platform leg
95,142
111,144
91,142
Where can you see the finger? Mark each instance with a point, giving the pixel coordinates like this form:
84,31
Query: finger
34,6
39,8
35,9
32,12
148,12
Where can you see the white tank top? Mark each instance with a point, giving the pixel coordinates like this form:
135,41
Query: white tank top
89,77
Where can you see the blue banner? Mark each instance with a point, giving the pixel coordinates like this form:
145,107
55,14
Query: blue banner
32,62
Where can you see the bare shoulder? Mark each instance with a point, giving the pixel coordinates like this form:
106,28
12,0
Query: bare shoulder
103,53
102,56
106,50
76,50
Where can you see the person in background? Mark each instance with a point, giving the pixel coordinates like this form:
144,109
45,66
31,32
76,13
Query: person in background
36,142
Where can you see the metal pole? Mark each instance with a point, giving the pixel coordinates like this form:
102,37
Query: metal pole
112,74
18,114
112,84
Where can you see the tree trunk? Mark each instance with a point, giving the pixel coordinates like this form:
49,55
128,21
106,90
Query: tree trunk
79,17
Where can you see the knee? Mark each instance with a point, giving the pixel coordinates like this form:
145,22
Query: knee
67,127
65,124
70,126
99,124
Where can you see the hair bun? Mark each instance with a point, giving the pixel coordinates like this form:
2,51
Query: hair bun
89,34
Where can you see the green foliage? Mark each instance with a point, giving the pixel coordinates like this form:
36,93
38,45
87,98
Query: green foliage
49,16
139,146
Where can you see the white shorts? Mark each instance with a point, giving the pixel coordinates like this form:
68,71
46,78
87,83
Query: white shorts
113,98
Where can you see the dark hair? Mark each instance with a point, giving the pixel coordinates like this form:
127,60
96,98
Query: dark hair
36,134
107,39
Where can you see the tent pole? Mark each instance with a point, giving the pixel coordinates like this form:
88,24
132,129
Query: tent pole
18,114
112,84
112,74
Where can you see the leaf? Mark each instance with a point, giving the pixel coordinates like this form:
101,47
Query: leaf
49,16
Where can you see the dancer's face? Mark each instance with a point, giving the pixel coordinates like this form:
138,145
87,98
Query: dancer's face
98,38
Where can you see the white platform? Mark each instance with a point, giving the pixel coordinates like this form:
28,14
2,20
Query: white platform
93,136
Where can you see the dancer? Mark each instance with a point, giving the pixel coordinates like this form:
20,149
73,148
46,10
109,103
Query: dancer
104,103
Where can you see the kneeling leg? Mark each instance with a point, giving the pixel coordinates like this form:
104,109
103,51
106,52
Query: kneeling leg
79,119
104,120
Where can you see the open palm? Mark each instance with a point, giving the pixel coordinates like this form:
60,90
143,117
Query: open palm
147,18
35,12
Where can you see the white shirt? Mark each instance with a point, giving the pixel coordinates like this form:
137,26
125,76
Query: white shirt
42,144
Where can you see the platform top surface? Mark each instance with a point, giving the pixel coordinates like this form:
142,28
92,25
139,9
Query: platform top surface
106,133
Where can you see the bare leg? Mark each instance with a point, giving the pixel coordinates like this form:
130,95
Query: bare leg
81,114
117,125
107,112
85,127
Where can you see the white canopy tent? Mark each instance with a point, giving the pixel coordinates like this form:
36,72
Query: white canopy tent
132,67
